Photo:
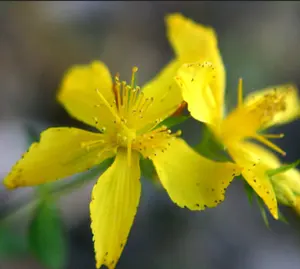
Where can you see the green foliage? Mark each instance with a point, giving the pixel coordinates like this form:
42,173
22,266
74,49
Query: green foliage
147,168
249,191
283,168
263,212
12,244
282,218
173,121
210,147
251,194
46,236
31,134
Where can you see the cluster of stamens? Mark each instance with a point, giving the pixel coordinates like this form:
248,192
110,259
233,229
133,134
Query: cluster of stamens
133,127
271,104
153,142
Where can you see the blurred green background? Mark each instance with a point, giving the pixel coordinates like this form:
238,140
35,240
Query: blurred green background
259,41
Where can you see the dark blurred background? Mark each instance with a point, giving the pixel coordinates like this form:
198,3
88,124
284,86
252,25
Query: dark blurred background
259,41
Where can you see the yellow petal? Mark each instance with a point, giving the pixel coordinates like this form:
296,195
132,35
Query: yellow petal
290,99
191,180
115,198
197,83
255,161
194,42
61,152
165,93
79,97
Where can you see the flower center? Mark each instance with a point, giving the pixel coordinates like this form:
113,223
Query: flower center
134,127
248,118
125,136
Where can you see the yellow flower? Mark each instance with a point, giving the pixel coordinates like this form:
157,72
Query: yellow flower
201,90
127,118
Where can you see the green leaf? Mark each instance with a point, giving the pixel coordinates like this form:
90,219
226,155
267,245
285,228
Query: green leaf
32,134
210,147
173,121
282,168
46,236
263,211
147,168
12,244
249,191
282,218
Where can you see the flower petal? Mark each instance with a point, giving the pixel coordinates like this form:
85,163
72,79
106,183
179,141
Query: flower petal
115,198
194,42
291,104
255,161
60,153
79,97
197,83
191,180
165,93
191,42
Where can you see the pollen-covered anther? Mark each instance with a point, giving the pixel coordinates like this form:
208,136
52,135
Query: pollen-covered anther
271,104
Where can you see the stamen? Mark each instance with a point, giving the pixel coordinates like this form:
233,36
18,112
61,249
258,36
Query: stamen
273,135
108,105
166,113
240,92
89,144
118,90
140,99
133,77
270,144
156,141
147,103
132,96
124,98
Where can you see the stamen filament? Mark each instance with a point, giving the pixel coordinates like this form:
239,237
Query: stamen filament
133,77
108,105
270,144
117,82
240,92
273,135
114,113
89,144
